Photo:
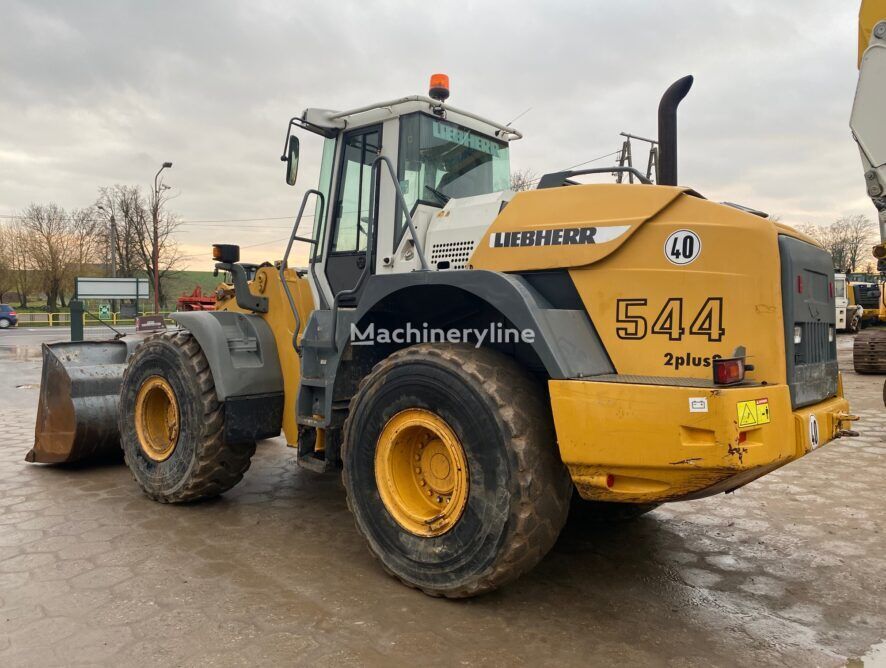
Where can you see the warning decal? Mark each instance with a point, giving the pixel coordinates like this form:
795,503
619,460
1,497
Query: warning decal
753,413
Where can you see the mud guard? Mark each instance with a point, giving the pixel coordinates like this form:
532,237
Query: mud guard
241,351
242,355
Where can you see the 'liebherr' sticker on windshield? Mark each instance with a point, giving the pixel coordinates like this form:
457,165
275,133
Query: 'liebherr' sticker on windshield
561,236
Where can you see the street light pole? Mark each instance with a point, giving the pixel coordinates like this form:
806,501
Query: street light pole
155,210
113,223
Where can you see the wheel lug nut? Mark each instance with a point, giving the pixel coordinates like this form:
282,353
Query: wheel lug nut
423,483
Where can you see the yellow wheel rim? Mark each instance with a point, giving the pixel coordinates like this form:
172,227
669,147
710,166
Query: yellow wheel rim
421,472
156,418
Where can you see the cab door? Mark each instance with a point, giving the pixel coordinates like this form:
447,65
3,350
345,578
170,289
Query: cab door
351,214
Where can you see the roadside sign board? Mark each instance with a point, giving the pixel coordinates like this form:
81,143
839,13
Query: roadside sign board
113,288
149,323
104,312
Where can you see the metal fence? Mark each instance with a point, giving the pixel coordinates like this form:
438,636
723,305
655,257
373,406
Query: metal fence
64,319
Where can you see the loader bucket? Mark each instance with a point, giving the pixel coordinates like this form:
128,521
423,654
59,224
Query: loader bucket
79,394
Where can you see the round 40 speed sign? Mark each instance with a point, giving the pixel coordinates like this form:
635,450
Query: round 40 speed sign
682,247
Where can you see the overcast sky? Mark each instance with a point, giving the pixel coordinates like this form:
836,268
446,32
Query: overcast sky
97,93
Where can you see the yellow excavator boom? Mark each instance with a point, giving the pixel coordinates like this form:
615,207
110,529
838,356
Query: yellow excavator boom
871,12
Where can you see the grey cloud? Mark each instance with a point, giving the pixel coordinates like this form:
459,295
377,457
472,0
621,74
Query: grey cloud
95,93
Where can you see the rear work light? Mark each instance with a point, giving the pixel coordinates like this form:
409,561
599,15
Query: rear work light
731,370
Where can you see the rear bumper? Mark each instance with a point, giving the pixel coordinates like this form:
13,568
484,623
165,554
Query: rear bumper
652,443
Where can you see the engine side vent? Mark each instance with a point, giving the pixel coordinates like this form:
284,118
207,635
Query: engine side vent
451,254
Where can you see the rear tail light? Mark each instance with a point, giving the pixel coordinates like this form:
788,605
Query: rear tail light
729,371
13,313
798,335
831,334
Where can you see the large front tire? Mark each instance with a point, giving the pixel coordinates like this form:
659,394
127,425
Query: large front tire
172,424
470,431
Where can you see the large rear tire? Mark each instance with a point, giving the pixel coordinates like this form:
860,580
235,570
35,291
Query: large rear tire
451,469
172,424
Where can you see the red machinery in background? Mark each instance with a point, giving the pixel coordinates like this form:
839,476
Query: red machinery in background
196,301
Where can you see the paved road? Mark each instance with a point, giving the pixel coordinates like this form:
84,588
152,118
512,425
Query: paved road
790,570
21,346
18,336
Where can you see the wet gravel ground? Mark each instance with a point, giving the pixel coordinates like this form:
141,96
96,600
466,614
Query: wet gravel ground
790,570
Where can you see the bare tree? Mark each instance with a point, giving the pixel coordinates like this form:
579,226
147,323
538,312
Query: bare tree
831,242
21,261
522,179
131,215
124,209
58,246
847,240
7,275
44,226
160,239
85,246
860,233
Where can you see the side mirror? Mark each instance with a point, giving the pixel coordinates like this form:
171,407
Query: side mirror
292,160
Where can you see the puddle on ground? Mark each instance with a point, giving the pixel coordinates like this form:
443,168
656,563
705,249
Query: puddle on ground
875,658
21,353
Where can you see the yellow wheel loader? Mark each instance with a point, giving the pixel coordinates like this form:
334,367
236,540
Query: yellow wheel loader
869,130
470,358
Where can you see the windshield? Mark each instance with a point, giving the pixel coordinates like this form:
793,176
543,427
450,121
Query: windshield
439,160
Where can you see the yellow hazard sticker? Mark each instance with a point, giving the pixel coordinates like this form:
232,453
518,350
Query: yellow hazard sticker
753,413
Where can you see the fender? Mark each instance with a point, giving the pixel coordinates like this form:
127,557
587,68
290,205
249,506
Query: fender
566,341
242,355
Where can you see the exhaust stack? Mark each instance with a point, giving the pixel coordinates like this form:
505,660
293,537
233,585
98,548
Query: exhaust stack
667,130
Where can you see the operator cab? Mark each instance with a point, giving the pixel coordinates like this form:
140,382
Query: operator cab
452,178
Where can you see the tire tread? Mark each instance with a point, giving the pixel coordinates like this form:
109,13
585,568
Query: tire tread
539,511
218,466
